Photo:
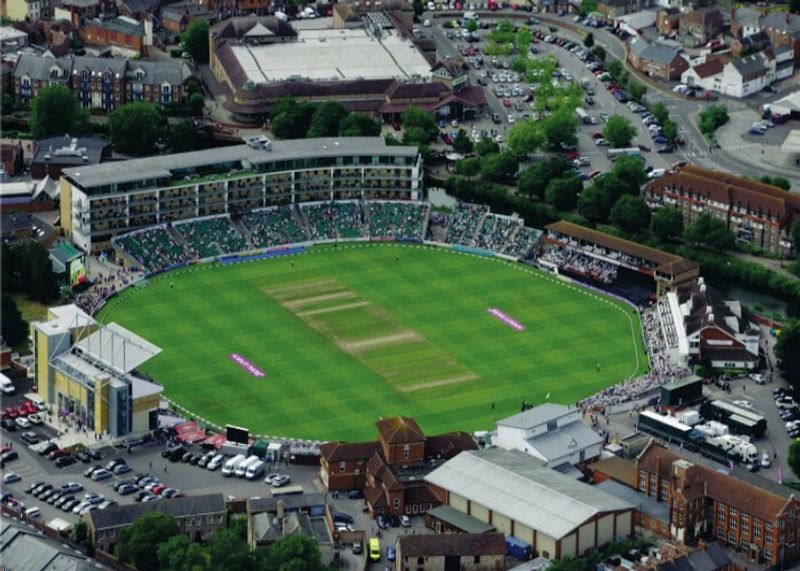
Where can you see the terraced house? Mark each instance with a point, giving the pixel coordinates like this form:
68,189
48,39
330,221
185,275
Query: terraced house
102,83
101,201
757,213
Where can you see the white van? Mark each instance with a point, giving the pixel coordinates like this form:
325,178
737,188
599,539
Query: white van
255,470
241,469
215,462
471,16
230,466
6,385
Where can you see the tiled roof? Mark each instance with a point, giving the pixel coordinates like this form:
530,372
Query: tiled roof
448,445
420,494
38,67
456,544
760,500
99,65
729,189
399,430
238,26
654,52
712,66
160,72
339,451
412,90
119,516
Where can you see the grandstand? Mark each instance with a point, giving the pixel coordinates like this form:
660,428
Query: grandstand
464,223
158,248
210,237
333,220
399,220
273,227
153,248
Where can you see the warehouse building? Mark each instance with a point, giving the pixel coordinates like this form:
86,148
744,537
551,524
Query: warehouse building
553,513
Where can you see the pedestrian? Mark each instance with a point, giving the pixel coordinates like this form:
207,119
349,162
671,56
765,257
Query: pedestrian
151,464
165,468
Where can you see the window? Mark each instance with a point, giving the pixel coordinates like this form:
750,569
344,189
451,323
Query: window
420,560
721,517
653,487
756,531
406,451
720,533
768,533
342,466
732,538
744,544
476,560
552,425
582,455
642,480
546,554
664,491
768,553
734,512
732,523
396,503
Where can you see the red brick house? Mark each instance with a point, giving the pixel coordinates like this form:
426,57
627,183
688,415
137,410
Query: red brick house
12,158
390,470
122,32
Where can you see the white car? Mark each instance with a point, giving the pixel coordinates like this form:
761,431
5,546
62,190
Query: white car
656,173
36,418
22,422
33,512
510,119
766,462
405,521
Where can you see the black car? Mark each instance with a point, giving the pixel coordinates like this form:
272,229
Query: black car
94,454
394,521
65,461
48,448
88,472
355,494
9,424
113,463
8,457
141,495
63,500
33,486
186,457
83,457
195,459
666,149
343,517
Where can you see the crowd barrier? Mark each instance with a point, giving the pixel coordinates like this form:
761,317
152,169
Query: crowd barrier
471,250
262,255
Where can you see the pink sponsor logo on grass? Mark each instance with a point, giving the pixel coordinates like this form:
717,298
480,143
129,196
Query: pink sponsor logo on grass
508,320
246,365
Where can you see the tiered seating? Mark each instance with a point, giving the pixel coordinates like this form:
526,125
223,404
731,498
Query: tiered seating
396,219
212,236
335,220
154,248
463,223
582,264
495,232
524,244
438,222
273,227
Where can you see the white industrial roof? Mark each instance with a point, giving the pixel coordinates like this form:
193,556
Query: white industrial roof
333,54
535,416
792,142
787,104
519,487
118,348
142,388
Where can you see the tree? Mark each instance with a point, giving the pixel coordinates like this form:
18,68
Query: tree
630,213
414,117
705,229
293,553
416,136
461,142
291,119
670,129
660,112
228,551
794,457
796,237
630,173
667,223
136,127
486,146
788,355
563,192
184,137
592,205
326,119
56,111
619,132
471,26
14,328
794,6
560,129
712,119
180,553
195,40
359,125
500,167
778,181
468,167
615,68
534,180
588,41
524,138
139,542
637,91
609,186
600,53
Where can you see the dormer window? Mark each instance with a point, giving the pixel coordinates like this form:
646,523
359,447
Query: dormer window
139,74
84,74
55,72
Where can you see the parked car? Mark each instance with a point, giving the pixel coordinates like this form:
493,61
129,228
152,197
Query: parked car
281,480
29,437
64,461
11,477
101,474
22,422
72,487
122,469
111,464
405,521
8,424
355,494
90,470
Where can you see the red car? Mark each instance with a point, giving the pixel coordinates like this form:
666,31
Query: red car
644,148
572,155
158,489
5,449
446,139
597,135
11,412
57,453
506,102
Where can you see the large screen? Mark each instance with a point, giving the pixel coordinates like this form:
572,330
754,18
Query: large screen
77,272
237,434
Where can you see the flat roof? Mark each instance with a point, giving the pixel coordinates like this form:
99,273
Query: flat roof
792,142
70,316
517,486
162,166
460,520
646,504
333,54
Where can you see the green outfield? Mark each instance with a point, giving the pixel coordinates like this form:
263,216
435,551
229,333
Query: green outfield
346,335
